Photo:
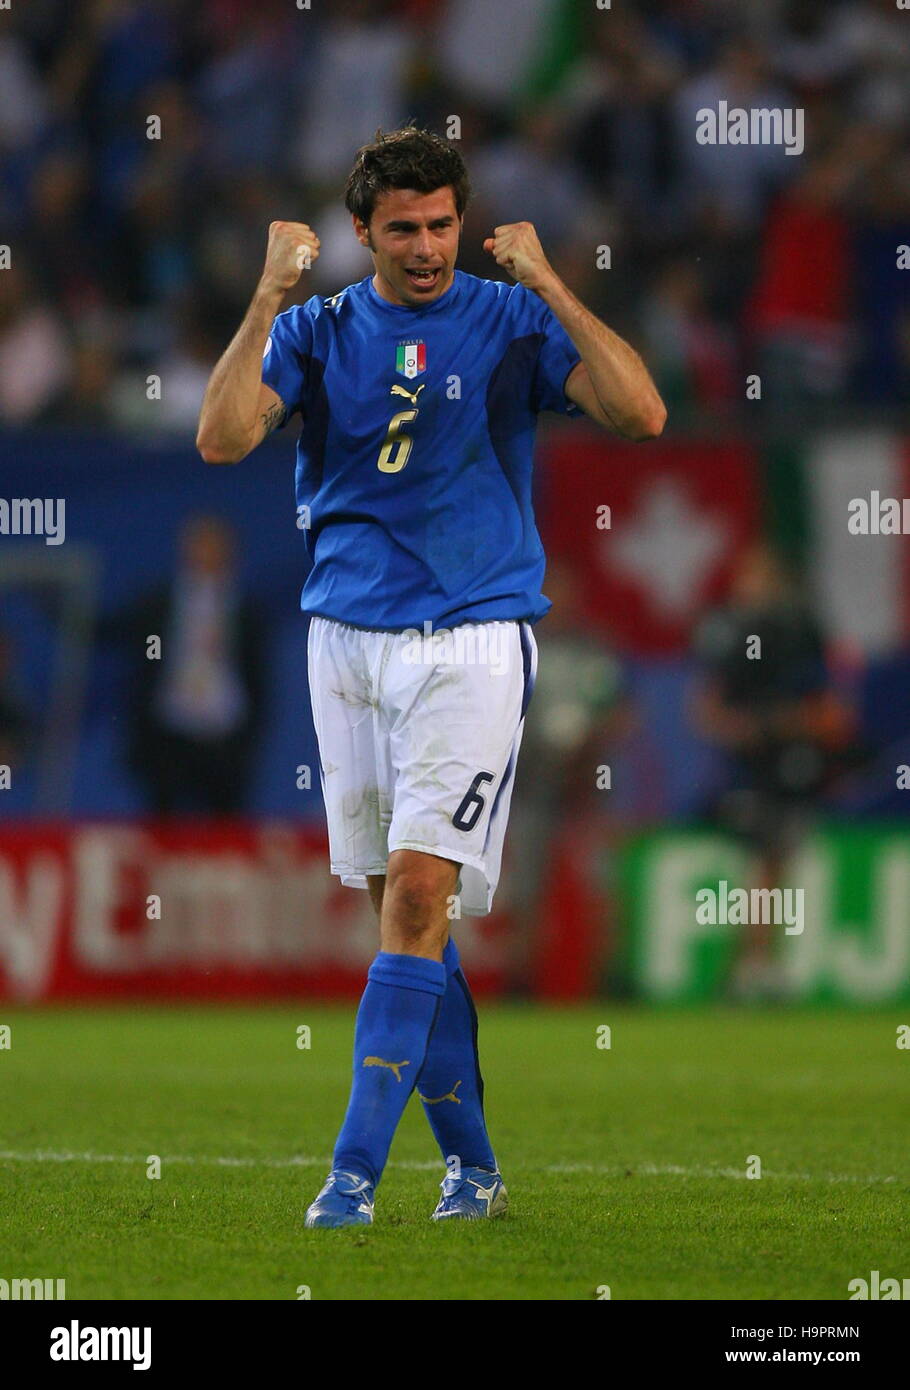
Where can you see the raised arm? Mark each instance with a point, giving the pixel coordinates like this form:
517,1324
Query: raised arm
238,409
611,383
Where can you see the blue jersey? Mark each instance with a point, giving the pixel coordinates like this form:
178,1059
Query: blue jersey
415,452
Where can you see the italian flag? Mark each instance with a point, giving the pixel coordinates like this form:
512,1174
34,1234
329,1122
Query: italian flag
411,359
859,573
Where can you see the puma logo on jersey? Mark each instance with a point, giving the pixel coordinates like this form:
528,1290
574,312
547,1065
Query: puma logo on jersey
436,1099
402,391
392,1066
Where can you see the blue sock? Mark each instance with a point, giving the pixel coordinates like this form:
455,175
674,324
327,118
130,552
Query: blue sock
450,1085
394,1022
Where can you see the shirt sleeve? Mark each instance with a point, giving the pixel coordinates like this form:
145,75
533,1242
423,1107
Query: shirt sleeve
286,360
557,357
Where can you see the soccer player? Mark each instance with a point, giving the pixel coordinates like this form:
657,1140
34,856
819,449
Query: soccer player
418,390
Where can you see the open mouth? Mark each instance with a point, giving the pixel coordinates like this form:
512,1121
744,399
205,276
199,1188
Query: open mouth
423,279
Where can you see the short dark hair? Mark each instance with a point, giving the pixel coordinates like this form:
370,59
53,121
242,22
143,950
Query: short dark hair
405,158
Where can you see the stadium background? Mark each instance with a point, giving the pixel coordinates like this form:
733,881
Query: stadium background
132,259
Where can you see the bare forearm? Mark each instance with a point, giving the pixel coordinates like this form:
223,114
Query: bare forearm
238,410
228,420
621,381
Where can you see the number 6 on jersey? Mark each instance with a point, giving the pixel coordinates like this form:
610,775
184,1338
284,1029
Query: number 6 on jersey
386,463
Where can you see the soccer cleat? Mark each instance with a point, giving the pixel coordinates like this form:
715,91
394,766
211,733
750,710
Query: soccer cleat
471,1195
346,1200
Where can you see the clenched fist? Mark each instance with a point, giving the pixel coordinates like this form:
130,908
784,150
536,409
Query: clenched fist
293,247
516,246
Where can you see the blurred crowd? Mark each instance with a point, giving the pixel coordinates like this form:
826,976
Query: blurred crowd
145,145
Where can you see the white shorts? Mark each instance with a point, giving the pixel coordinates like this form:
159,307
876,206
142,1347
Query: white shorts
418,740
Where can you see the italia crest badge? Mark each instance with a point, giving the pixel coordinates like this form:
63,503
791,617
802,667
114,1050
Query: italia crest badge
411,358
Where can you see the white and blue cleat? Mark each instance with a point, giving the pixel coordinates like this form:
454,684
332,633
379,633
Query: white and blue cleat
345,1200
471,1194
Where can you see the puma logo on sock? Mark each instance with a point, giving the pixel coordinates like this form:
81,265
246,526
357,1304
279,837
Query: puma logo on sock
392,1066
435,1101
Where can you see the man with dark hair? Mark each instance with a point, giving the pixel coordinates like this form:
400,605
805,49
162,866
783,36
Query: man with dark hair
424,161
418,389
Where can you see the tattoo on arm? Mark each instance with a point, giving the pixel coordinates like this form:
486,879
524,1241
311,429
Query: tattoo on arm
274,416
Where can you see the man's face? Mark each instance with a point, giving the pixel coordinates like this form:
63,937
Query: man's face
414,241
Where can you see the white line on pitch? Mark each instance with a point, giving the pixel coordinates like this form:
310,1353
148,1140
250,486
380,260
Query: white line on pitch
641,1170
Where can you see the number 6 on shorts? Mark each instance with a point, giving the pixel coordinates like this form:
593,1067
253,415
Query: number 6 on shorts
471,804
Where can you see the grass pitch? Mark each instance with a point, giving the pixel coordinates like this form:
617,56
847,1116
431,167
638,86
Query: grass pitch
626,1167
